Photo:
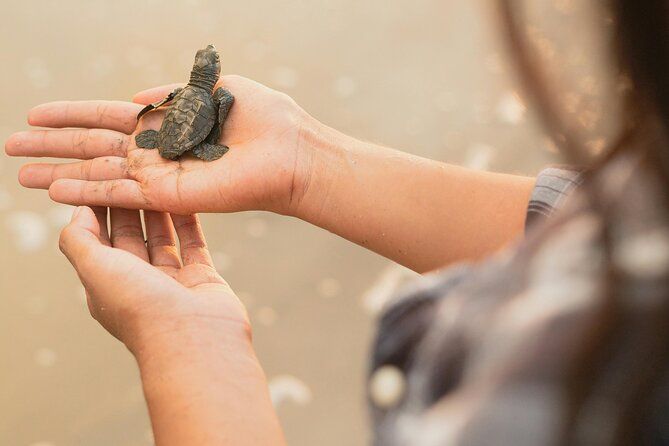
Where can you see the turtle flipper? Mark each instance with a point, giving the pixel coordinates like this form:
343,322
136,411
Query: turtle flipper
210,149
224,99
155,105
209,152
148,139
214,135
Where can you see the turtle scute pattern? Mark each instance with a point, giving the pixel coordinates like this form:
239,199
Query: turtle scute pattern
187,123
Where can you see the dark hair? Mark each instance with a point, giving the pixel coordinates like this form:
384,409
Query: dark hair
641,48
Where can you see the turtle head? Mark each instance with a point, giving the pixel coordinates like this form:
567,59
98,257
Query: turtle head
207,67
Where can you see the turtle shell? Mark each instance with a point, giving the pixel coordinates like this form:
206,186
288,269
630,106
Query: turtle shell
190,118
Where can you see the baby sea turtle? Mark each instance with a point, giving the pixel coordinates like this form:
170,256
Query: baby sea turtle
195,116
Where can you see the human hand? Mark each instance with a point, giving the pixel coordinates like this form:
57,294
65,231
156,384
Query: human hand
139,291
264,169
188,332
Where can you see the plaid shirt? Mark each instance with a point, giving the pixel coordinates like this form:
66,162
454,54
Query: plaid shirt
551,189
479,354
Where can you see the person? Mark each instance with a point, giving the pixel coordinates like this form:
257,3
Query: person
551,334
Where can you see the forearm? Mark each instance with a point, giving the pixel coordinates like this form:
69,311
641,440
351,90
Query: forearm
421,213
206,387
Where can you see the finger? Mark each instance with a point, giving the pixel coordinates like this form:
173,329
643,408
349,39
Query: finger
42,175
101,214
192,244
113,115
80,236
125,194
68,143
160,240
101,268
126,232
155,94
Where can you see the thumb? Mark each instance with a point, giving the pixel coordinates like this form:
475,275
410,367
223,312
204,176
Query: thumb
80,235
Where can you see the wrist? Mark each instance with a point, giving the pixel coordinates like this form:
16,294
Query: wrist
173,338
322,153
204,385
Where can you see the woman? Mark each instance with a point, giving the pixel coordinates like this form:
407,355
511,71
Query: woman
561,339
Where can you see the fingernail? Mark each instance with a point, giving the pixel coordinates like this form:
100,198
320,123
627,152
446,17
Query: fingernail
75,213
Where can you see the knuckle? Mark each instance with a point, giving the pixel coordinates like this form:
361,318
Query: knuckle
64,239
119,145
80,141
91,310
194,244
158,241
285,101
188,224
86,169
88,192
109,193
101,112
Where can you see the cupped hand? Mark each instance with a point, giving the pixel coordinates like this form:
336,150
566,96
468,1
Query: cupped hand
139,290
262,171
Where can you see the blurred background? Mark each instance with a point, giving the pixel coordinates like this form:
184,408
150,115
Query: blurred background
427,76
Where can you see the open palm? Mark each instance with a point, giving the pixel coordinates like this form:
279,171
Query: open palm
136,289
263,131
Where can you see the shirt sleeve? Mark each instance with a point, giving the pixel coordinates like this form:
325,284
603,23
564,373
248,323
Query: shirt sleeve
553,186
